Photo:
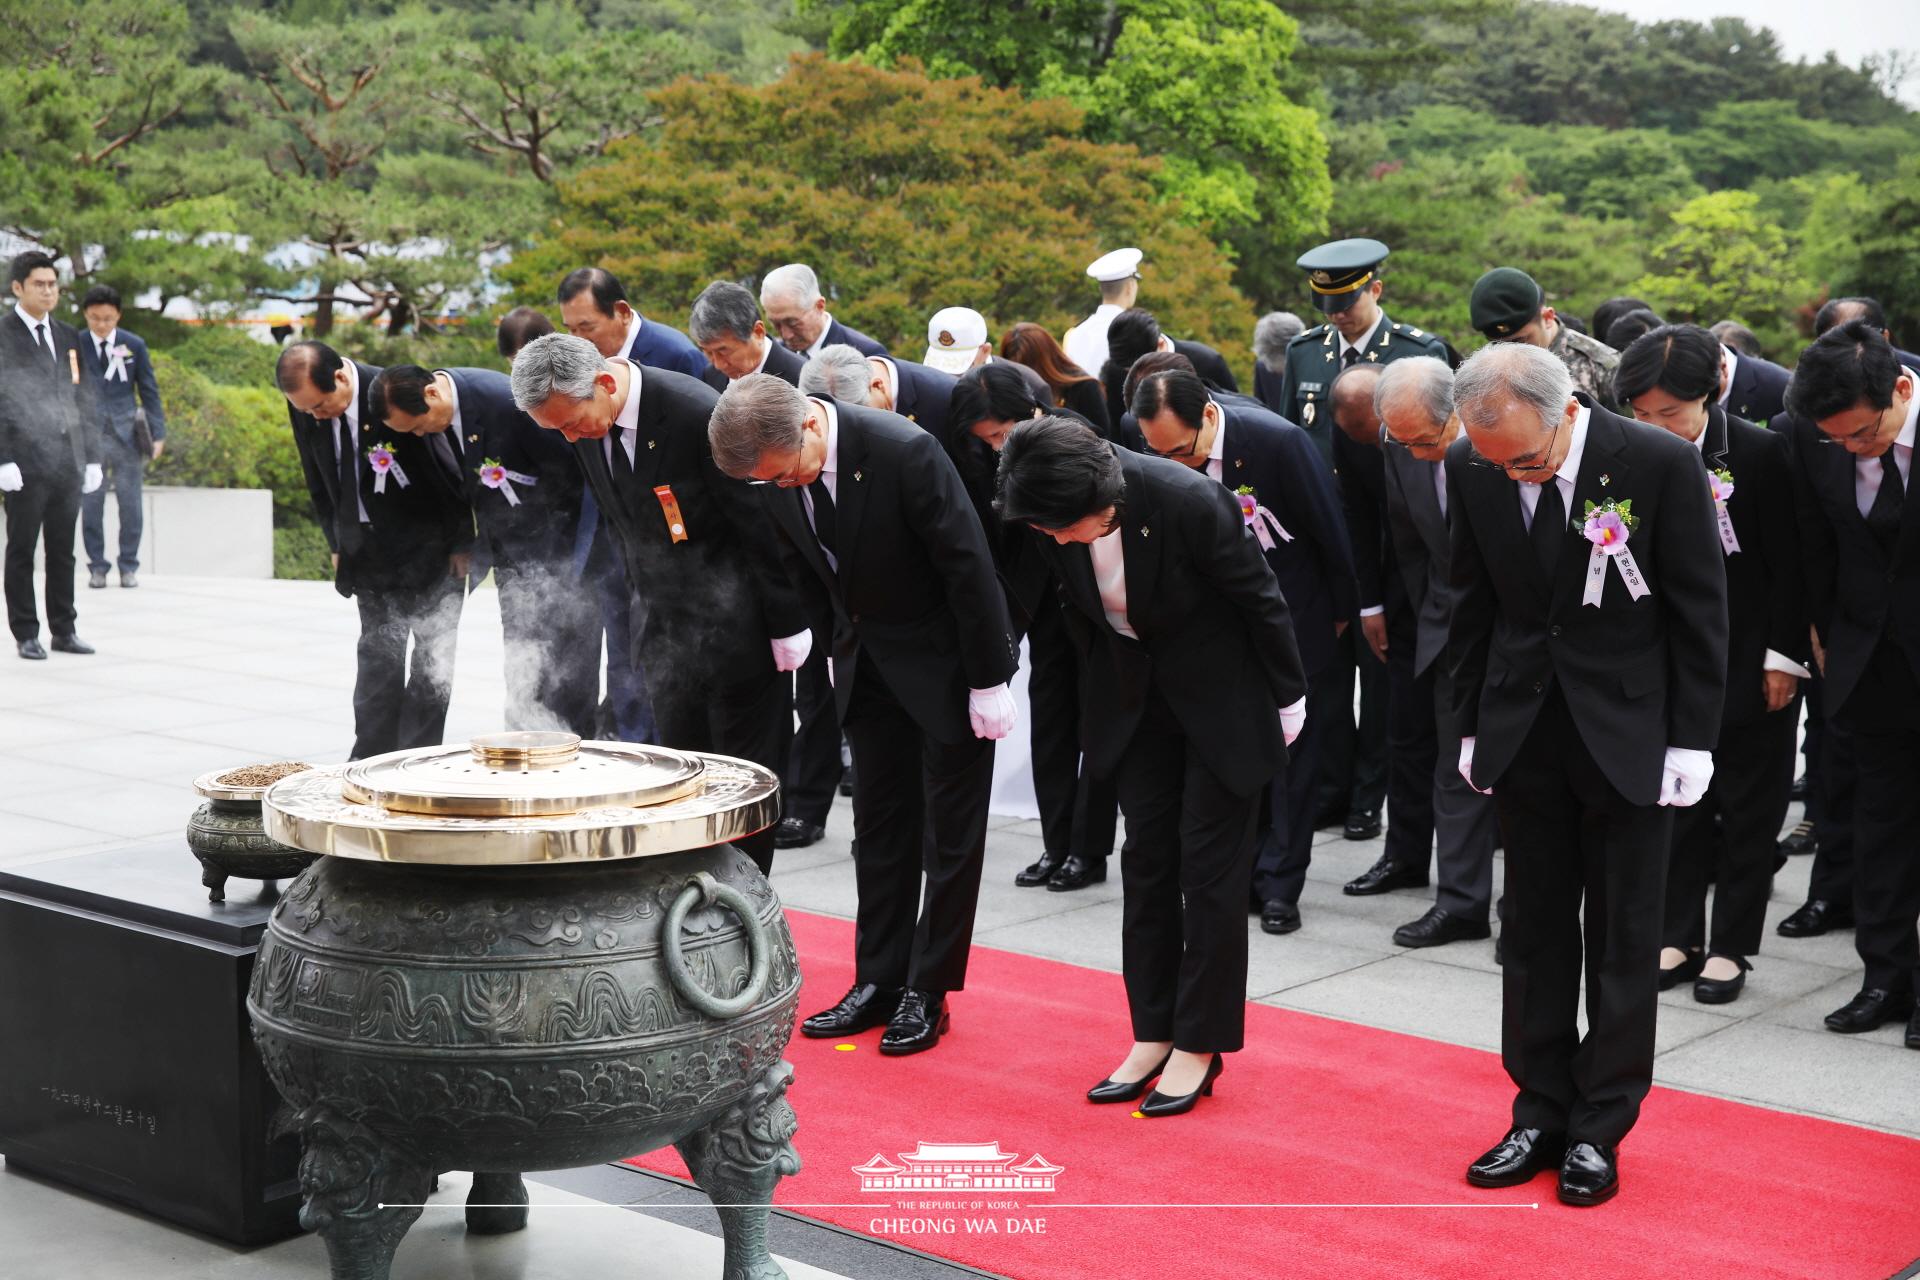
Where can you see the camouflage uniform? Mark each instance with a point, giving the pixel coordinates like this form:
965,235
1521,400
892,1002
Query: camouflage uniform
1590,361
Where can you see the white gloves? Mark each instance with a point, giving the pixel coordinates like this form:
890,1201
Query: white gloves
11,480
1466,766
790,653
991,711
1685,776
92,478
1293,718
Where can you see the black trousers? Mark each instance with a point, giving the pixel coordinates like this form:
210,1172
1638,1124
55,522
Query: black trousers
811,774
1752,771
49,504
1571,837
920,808
1435,808
1413,746
550,626
398,706
1830,787
1881,715
1078,812
1284,840
1354,771
1184,870
752,719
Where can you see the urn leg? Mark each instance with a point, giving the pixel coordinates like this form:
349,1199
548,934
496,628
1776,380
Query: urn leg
361,1194
214,879
738,1159
485,1216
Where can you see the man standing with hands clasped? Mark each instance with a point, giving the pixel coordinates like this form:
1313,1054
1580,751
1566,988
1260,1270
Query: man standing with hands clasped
1588,660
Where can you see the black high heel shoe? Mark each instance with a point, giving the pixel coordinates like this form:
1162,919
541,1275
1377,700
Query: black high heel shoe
1111,1090
1159,1104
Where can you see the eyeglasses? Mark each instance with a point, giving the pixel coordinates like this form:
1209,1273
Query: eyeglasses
1865,433
1431,442
785,479
1186,450
1541,461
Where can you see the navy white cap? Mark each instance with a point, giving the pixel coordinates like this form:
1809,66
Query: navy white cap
1121,264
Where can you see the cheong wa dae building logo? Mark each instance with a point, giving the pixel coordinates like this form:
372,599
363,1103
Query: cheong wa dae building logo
958,1167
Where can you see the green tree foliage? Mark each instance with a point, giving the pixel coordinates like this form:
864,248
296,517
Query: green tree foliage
906,194
1200,85
1724,260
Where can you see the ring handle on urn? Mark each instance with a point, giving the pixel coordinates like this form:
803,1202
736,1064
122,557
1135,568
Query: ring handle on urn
706,891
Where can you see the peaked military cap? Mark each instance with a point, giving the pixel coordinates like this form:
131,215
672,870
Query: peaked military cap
1339,270
1505,300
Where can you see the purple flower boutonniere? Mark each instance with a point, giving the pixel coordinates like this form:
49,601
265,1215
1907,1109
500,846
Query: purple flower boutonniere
495,476
1607,526
384,464
1265,525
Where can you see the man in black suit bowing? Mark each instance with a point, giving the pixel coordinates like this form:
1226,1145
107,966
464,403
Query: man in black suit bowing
871,506
913,391
1588,659
50,452
725,324
798,312
524,490
715,621
1413,399
1296,520
401,543
1855,405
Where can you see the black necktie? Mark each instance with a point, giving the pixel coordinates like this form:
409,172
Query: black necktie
1549,526
103,357
622,464
346,502
825,526
443,451
1349,357
1883,517
46,340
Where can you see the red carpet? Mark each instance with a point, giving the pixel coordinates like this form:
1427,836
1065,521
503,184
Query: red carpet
1315,1112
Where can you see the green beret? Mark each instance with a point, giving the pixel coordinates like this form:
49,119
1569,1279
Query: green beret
1505,299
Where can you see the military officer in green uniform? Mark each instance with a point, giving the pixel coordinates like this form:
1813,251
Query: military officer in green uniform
1508,305
1344,278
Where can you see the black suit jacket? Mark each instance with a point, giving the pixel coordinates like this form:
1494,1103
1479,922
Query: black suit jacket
1208,363
709,603
1215,640
49,418
410,529
1362,473
1766,592
538,532
1267,386
781,363
1857,593
837,332
1315,570
1418,529
1759,389
1640,675
915,591
117,400
923,397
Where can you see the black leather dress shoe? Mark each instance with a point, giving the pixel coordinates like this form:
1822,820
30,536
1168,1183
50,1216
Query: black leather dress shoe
1589,1174
1279,917
846,782
1913,1031
1111,1090
1686,971
1437,928
1077,872
1798,791
1383,875
1723,990
1869,1010
1362,824
865,1005
1159,1104
32,649
1040,870
1799,841
71,644
797,833
1517,1157
1815,918
96,578
918,1024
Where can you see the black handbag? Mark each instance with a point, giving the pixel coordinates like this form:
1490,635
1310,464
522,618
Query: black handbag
142,435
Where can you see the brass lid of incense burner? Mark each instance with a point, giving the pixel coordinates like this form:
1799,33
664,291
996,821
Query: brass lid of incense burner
515,798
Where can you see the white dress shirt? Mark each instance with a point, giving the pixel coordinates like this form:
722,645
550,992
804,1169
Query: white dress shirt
346,435
1360,346
626,423
1568,473
1110,575
829,476
446,445
113,366
633,331
41,330
1729,361
766,350
1217,455
893,381
1867,471
1086,342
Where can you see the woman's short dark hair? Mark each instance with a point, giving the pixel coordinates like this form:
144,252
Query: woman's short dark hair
519,327
1055,472
1171,389
1682,360
1612,309
999,391
1623,332
1848,365
101,295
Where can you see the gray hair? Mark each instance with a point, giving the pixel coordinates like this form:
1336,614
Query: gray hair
723,308
1424,380
839,371
756,415
795,280
1271,336
1503,373
558,363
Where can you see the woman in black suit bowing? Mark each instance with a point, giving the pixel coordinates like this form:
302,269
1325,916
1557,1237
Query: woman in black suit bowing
1182,628
1670,378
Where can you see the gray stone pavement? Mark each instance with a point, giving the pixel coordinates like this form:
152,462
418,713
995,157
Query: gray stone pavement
194,674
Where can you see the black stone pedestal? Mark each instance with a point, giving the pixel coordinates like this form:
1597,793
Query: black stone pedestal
126,1065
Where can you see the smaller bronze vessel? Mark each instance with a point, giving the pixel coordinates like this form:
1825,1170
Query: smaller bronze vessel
228,833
